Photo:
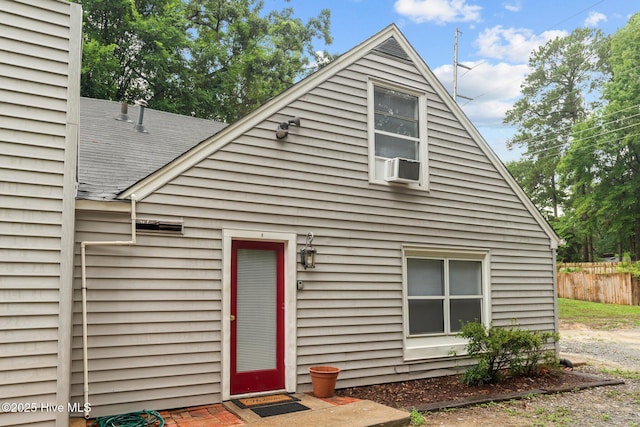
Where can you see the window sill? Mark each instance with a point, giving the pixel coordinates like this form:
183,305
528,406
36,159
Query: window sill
420,348
399,185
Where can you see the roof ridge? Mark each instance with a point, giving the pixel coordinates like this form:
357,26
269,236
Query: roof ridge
154,110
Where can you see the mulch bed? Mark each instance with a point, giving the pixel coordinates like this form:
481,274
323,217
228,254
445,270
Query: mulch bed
446,392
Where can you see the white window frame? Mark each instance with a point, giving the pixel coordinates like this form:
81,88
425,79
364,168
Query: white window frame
442,344
423,184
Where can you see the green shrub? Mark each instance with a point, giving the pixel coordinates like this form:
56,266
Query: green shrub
480,374
416,418
628,267
518,351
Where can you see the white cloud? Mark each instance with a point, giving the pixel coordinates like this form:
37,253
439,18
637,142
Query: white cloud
321,59
438,11
512,44
513,6
493,88
594,19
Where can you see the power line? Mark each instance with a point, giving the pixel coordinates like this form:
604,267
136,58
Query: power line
569,126
549,100
540,33
551,155
583,139
619,73
587,137
474,67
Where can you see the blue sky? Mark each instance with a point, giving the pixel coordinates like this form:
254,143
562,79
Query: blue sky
495,41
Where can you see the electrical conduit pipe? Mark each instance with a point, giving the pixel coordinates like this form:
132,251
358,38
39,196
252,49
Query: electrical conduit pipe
83,252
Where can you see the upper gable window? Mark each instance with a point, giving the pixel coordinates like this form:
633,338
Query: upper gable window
397,131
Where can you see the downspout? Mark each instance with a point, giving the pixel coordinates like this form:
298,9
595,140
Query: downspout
83,252
556,325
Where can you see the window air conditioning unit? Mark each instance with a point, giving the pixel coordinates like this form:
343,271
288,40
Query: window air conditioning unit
402,170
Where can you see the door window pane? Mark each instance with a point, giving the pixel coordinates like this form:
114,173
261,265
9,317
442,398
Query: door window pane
465,277
426,317
425,277
256,310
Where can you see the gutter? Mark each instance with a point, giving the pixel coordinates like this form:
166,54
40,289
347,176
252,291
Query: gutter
83,252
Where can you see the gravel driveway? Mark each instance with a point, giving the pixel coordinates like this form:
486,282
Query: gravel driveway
617,350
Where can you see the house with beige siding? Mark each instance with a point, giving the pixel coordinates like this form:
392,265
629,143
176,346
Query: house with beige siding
39,114
416,225
179,280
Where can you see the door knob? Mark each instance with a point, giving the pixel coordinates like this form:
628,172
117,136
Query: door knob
232,317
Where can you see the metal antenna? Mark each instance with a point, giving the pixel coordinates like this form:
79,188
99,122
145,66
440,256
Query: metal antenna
455,68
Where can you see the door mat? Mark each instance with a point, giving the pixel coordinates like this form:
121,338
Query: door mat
273,399
279,409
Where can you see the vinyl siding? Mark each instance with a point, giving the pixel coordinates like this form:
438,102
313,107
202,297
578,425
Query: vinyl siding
153,318
350,311
38,66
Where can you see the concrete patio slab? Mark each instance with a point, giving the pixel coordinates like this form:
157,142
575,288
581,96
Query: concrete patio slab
360,413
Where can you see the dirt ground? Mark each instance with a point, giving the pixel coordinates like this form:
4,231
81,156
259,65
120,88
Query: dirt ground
612,406
615,340
594,350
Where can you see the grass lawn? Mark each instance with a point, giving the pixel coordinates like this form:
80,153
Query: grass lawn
597,315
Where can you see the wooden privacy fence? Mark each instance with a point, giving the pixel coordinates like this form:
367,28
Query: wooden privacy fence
589,267
597,282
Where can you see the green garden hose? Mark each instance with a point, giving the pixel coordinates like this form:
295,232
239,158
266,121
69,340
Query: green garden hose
132,419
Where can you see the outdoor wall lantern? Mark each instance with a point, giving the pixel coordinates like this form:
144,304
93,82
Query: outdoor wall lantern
308,253
283,128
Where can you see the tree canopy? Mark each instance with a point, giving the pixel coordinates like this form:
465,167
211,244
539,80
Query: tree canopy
563,73
579,123
602,165
215,59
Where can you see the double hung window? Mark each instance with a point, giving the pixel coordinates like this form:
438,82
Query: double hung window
443,290
442,294
398,128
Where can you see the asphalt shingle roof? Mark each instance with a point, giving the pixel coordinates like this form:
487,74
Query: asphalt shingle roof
113,155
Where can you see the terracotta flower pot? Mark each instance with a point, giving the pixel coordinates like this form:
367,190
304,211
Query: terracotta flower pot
323,379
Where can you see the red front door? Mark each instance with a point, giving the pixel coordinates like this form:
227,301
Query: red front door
257,313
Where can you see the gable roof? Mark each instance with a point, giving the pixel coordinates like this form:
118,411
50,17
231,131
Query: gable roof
113,155
389,41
